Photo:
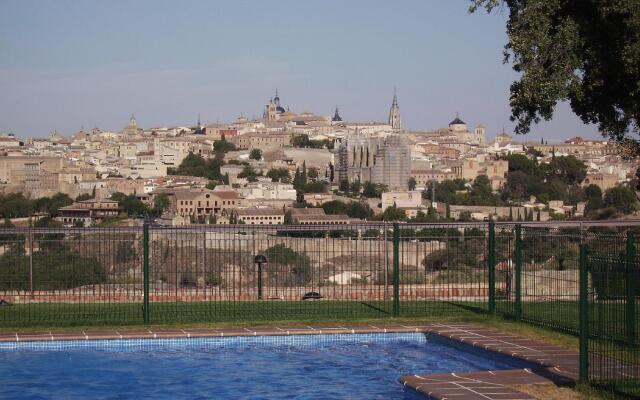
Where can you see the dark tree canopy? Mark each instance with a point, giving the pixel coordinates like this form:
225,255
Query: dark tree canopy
586,52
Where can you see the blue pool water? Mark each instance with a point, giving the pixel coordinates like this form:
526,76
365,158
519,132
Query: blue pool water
352,366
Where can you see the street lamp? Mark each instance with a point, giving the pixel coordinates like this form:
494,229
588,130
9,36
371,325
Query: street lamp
259,260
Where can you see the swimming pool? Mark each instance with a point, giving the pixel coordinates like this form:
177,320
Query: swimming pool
335,366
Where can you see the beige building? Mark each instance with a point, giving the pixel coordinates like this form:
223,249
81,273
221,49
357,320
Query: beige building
602,180
473,167
260,216
317,216
402,199
424,177
88,212
318,199
201,203
261,141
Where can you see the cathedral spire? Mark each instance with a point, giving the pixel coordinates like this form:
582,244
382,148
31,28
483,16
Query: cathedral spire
336,116
394,112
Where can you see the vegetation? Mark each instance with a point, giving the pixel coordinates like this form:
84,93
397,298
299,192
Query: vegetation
249,173
479,193
196,165
279,175
256,154
222,146
131,204
352,209
303,141
284,259
16,205
55,265
372,190
583,52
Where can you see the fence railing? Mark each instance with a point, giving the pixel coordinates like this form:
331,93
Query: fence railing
577,277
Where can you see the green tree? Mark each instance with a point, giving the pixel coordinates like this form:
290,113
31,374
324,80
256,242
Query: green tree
520,162
355,187
51,205
279,175
568,169
315,187
446,191
313,173
222,146
84,196
586,52
622,198
160,204
131,204
299,181
372,190
411,183
352,209
249,173
284,259
593,195
15,205
256,154
196,165
393,213
343,186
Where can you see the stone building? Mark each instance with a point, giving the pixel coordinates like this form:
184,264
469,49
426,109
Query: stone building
381,160
260,216
261,140
88,212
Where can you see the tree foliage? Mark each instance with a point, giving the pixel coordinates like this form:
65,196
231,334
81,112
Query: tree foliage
284,259
279,175
586,52
196,165
255,154
352,209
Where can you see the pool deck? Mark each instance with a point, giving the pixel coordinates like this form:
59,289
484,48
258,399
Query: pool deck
557,365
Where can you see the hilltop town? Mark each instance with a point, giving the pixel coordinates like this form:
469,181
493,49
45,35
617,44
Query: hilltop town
305,168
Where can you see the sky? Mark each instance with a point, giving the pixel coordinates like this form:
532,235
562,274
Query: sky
66,64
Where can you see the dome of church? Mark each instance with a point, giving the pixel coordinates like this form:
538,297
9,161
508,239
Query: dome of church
457,121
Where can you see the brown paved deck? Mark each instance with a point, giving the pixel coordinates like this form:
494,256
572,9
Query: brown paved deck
557,364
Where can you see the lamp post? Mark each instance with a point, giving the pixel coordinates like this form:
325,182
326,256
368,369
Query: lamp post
259,260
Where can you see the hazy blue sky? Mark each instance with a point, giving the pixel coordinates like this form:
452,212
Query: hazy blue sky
64,64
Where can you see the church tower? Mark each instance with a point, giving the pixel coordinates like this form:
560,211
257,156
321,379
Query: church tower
336,116
394,113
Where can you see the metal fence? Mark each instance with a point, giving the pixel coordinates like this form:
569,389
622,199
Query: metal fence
580,278
610,322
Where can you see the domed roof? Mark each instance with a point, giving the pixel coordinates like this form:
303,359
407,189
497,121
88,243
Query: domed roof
457,121
280,109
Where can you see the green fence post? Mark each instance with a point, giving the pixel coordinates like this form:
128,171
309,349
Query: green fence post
630,277
491,264
584,315
145,271
518,257
396,270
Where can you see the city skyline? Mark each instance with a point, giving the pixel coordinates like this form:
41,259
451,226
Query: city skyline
73,64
